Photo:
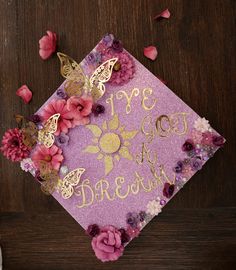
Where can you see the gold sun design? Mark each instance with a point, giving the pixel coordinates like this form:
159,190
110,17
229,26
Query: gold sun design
110,142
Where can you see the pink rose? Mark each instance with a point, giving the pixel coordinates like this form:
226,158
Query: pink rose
107,244
47,45
24,93
81,108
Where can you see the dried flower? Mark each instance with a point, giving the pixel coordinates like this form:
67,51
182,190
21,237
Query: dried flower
27,165
126,70
142,216
62,139
93,58
53,156
154,207
93,230
98,109
196,164
108,40
179,166
132,219
188,146
107,245
125,238
133,232
164,14
168,190
47,45
117,45
150,52
61,93
35,118
202,125
207,138
218,140
65,122
25,93
13,147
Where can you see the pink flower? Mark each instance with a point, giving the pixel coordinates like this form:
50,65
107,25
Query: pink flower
52,155
66,117
13,147
207,138
24,93
164,14
196,136
80,108
150,52
107,244
47,45
187,171
123,70
133,232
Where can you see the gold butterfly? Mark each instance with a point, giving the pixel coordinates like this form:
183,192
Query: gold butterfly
68,183
45,135
78,83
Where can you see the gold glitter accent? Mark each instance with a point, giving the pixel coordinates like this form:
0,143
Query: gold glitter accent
109,142
122,94
148,92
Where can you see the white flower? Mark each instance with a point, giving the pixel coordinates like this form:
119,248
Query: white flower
27,165
201,124
154,207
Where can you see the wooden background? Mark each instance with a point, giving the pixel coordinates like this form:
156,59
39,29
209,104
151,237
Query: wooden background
197,230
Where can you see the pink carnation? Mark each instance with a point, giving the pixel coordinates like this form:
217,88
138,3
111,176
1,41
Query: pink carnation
107,244
52,155
47,45
66,117
123,70
13,147
80,108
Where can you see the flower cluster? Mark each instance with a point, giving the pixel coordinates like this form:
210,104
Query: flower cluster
73,112
199,147
109,47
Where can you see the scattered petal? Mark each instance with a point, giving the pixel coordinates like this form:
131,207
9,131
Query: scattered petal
47,45
150,52
24,93
164,14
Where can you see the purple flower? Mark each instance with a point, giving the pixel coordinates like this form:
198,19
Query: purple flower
196,164
98,109
168,190
94,58
218,140
179,166
124,236
132,219
35,118
62,139
38,177
61,93
117,45
108,39
188,146
142,216
93,230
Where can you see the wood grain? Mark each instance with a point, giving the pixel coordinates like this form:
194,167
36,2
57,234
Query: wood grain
197,230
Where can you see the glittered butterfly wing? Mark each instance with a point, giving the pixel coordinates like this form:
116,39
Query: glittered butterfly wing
100,76
69,181
75,77
45,135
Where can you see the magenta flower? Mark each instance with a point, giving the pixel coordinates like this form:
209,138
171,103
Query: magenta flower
107,244
13,147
